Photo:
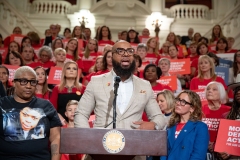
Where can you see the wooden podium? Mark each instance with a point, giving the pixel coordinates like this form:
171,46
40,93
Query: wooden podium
90,141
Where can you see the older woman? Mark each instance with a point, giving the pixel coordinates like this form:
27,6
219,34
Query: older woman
164,64
68,89
187,136
206,74
45,55
27,121
215,109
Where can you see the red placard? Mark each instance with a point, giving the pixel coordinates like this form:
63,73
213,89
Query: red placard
180,66
170,81
228,138
55,75
201,93
101,48
144,39
80,46
17,38
12,69
3,52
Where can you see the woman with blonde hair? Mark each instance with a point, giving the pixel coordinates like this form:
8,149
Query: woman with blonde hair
60,57
68,89
152,50
187,135
206,74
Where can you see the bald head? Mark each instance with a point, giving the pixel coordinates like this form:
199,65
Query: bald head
190,31
121,44
145,32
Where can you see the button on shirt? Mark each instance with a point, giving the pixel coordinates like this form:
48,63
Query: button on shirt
125,91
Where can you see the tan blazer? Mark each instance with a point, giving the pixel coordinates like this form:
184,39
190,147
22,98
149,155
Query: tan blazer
99,96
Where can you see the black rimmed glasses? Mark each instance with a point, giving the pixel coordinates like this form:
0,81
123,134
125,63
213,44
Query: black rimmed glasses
122,51
182,102
24,82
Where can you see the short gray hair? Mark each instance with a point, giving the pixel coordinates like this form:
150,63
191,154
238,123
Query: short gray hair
164,59
221,90
23,69
46,49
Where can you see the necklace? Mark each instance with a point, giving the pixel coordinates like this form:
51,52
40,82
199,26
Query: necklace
69,89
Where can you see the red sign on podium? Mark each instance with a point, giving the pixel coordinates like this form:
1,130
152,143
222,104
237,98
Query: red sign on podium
228,138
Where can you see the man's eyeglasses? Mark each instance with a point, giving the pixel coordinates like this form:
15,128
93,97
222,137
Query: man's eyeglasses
24,82
182,102
121,51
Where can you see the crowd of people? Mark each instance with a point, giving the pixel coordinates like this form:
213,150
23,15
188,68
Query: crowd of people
34,109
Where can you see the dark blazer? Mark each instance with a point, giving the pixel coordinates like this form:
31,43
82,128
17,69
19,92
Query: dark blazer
2,90
191,143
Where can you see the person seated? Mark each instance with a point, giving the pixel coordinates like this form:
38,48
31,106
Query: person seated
152,50
231,41
216,34
221,46
193,51
187,40
68,89
28,54
105,36
164,50
14,58
152,73
45,56
16,31
132,36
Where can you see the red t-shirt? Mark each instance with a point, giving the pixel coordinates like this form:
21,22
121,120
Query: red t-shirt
79,61
90,61
212,119
192,58
196,83
46,96
103,42
178,129
232,51
159,87
55,91
152,58
45,65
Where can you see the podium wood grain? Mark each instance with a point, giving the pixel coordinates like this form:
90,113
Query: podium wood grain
89,141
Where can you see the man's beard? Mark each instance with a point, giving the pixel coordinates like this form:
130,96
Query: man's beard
123,72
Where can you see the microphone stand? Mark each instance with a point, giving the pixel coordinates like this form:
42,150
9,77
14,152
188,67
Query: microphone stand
116,85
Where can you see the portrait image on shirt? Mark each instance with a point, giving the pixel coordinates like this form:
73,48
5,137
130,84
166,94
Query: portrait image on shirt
23,124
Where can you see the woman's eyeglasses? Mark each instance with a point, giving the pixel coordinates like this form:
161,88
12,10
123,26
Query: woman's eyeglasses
182,102
24,82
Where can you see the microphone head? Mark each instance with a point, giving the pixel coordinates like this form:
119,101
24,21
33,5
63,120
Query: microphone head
117,79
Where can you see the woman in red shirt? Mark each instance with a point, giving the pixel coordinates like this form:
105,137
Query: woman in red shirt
45,55
72,52
152,73
90,54
216,34
68,89
42,90
206,74
105,36
222,46
152,50
214,110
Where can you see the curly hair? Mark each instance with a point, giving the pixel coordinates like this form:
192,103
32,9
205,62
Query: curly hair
196,115
235,109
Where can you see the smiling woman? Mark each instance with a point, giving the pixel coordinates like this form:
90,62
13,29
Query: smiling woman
27,121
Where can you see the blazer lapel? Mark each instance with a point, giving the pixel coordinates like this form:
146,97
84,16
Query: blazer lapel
184,132
108,88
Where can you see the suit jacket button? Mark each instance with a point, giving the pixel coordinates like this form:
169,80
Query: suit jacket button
183,147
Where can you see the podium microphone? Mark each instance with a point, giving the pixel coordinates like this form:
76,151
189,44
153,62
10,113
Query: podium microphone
117,79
